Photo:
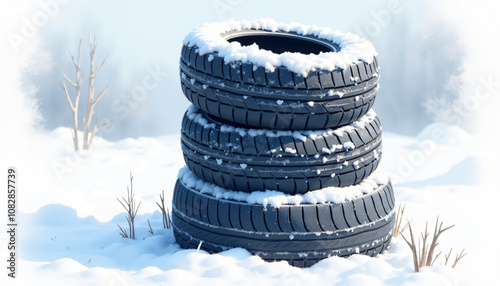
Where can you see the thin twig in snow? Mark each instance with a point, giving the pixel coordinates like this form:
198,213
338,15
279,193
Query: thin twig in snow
123,233
458,257
167,222
424,254
129,205
150,229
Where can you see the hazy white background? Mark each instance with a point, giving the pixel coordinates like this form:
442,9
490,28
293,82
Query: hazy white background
421,49
439,62
439,59
435,57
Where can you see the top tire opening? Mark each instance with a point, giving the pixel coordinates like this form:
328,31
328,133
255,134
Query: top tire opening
279,42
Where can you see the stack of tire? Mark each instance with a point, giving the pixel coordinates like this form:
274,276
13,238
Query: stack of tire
260,130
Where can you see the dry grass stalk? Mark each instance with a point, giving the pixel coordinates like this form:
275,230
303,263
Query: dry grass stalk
457,257
123,233
435,238
150,229
424,254
413,247
399,219
129,205
167,222
447,256
423,247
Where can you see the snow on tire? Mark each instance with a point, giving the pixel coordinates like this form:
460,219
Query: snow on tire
292,162
296,78
301,234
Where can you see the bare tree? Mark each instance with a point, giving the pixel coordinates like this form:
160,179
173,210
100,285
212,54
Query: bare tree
78,85
91,100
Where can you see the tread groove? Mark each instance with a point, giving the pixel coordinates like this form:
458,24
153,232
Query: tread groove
317,218
303,219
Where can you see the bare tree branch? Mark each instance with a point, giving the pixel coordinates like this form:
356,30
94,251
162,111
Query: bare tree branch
77,84
73,58
72,83
77,64
63,85
99,96
99,66
97,128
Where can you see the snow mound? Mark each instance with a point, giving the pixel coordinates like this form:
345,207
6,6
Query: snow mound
352,47
276,199
90,181
431,154
70,221
443,133
239,267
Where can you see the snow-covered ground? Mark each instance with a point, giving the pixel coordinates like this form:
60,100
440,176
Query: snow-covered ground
440,54
69,233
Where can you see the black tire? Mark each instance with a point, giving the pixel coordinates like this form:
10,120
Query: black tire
246,94
233,159
300,234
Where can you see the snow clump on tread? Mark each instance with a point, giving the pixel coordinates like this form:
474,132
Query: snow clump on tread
276,199
194,114
352,47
